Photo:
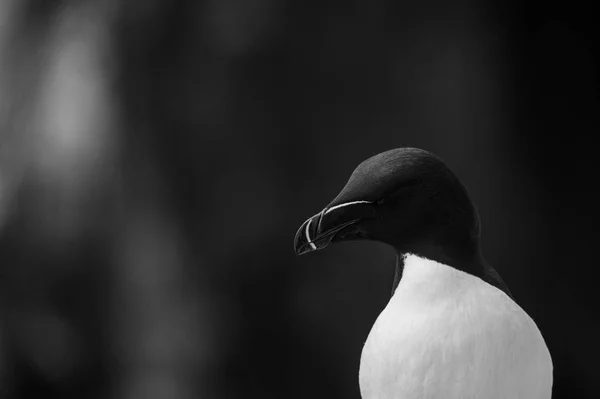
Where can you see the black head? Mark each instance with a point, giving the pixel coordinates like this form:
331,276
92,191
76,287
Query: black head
407,198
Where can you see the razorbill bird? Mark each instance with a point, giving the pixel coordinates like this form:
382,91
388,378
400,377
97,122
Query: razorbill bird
451,329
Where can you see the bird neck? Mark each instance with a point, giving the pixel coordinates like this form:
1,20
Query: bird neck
398,271
471,261
467,258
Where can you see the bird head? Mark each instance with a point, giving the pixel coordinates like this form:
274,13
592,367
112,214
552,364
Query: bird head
407,198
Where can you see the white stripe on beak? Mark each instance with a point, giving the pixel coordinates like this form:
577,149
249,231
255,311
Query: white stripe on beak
313,246
346,204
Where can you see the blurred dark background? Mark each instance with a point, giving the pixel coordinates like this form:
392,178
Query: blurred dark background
157,157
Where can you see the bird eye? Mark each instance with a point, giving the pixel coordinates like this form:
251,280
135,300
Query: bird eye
402,190
412,182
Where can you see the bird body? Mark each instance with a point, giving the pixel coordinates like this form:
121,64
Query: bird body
451,329
447,334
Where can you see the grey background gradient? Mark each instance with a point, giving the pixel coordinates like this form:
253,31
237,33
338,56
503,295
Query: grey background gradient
157,157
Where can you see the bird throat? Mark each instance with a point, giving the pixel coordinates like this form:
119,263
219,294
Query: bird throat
473,264
398,272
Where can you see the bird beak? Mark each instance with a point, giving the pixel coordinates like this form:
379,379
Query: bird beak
319,230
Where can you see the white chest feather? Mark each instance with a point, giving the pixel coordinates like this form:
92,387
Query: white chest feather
447,334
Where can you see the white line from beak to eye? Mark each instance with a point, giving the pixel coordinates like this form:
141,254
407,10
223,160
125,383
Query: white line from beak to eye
346,204
313,246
